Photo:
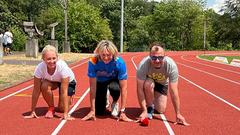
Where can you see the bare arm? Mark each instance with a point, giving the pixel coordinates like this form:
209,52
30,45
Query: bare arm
93,85
174,96
64,95
35,95
176,103
141,99
123,87
141,95
36,92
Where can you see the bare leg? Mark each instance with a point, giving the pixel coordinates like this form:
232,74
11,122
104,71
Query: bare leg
160,102
47,93
149,91
60,103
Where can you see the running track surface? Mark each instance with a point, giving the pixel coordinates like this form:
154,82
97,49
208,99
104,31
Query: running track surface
209,94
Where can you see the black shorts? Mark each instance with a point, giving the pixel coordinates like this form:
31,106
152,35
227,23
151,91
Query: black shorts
8,45
71,88
4,45
161,88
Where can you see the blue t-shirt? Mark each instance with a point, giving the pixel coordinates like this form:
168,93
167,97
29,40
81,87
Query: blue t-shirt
115,69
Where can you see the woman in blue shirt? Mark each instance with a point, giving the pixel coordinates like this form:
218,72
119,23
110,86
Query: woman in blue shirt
107,71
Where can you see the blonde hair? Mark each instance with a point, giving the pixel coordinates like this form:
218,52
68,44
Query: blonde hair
49,48
106,45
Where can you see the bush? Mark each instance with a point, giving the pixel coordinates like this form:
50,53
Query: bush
19,39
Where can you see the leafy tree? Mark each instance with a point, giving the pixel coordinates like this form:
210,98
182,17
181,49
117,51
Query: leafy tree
111,9
86,26
139,37
19,39
229,31
7,18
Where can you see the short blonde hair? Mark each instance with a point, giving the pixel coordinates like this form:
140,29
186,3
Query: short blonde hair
49,48
106,45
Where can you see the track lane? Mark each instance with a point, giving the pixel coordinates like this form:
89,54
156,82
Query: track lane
225,89
228,72
17,106
108,125
206,114
208,63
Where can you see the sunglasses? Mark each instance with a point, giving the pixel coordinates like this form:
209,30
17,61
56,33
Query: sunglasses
160,58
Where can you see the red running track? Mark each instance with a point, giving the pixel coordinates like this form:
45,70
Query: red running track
209,94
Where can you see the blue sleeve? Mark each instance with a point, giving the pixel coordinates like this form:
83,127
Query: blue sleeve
91,70
122,70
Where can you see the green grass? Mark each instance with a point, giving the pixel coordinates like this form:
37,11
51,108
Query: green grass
211,57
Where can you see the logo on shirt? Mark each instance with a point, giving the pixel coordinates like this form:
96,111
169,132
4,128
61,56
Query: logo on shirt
158,77
105,74
94,60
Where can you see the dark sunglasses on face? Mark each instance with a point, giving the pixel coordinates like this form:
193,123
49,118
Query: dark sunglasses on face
157,57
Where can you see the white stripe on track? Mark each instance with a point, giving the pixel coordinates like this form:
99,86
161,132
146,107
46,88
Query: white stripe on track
210,93
209,73
235,72
170,130
55,132
18,91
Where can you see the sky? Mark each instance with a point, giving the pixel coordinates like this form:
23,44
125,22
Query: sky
215,4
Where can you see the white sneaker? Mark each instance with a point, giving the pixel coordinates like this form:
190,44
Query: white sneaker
115,109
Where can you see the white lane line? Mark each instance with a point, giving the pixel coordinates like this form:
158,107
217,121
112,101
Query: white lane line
18,91
58,128
209,73
222,53
210,93
170,130
209,65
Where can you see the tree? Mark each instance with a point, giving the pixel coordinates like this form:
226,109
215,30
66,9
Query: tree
229,31
85,25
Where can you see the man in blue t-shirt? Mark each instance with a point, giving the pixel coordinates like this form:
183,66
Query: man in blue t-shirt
107,71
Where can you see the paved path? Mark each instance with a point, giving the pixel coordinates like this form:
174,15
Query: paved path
22,62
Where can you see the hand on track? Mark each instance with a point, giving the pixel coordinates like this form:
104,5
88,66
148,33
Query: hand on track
123,117
67,117
32,115
90,116
181,120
